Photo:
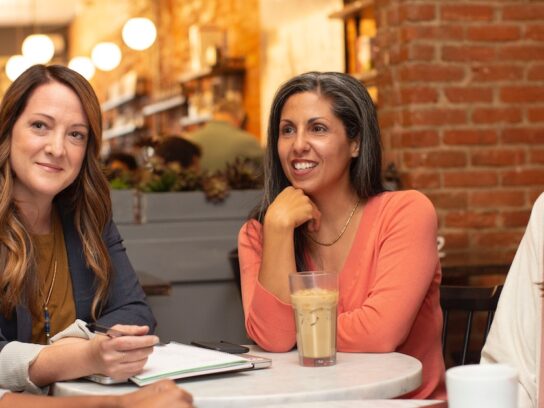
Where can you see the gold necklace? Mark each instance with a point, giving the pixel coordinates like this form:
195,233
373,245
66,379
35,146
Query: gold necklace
341,232
46,316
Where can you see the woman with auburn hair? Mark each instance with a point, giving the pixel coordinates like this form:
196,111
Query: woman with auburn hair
324,208
62,262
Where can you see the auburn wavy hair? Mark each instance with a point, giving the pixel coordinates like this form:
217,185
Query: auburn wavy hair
88,197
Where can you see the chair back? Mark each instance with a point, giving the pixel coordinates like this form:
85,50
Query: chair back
468,300
235,267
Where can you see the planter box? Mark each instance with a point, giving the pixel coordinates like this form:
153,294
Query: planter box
124,206
185,239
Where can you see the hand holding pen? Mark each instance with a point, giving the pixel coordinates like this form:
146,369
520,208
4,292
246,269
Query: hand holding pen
121,351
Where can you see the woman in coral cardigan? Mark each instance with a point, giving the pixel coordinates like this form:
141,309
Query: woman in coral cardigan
324,208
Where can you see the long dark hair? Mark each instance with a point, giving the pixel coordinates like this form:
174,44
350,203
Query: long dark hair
352,104
88,196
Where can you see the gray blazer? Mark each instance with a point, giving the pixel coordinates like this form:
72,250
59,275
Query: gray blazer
126,303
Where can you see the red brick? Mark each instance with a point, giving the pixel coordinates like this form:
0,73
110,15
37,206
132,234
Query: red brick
389,118
421,180
536,72
522,135
441,33
453,199
433,117
493,32
523,177
496,157
430,73
465,12
494,72
496,115
468,95
422,138
471,219
515,218
536,156
535,32
494,198
398,54
470,179
468,53
522,94
520,53
456,240
437,159
414,95
523,11
470,137
533,195
499,239
416,12
536,115
421,52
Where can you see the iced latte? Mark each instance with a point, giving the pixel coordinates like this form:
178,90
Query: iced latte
315,317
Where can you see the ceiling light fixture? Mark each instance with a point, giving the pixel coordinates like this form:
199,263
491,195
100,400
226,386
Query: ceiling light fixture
16,65
38,48
83,66
139,33
106,56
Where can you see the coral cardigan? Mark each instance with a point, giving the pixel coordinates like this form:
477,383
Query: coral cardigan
389,288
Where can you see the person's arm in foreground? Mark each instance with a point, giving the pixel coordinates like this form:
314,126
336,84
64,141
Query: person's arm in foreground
163,394
514,336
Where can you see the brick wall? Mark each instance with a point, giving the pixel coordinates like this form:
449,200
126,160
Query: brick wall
461,105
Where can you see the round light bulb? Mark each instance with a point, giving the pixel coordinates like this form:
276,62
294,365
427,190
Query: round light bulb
83,66
106,56
139,33
38,48
16,65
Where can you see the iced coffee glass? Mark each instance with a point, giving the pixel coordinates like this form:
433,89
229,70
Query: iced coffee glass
314,296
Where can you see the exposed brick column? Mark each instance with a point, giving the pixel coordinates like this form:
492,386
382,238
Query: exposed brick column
461,105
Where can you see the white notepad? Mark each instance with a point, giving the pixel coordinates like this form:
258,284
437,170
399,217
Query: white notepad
176,360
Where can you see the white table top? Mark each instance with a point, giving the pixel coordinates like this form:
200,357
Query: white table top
355,376
363,404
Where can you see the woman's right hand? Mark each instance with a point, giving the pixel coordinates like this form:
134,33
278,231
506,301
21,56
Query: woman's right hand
162,394
290,209
124,356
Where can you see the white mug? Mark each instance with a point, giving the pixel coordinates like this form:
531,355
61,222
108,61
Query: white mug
482,386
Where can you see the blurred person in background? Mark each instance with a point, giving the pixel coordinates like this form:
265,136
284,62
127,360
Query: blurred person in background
223,140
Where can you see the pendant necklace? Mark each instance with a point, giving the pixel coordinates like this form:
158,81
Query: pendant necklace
327,244
46,316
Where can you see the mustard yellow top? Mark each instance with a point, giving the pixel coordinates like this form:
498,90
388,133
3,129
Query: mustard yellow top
50,248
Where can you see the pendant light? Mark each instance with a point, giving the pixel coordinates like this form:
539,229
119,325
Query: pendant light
106,56
16,65
83,66
139,33
38,48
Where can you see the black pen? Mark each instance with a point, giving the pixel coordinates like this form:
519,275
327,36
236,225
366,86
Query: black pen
108,331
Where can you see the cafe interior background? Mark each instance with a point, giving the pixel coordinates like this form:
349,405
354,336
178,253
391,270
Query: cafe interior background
458,85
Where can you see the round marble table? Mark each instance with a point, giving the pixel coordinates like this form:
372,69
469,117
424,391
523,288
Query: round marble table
356,376
364,404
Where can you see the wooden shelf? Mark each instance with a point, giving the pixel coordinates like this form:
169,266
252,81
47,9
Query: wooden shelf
164,105
352,9
114,103
194,120
209,72
120,130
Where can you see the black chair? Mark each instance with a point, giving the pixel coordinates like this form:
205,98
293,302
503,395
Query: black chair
235,267
468,300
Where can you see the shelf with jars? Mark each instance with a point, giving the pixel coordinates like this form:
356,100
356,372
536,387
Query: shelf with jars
203,89
122,112
360,43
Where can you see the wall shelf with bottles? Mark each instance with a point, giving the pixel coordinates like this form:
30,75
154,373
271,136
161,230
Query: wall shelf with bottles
163,105
360,44
122,112
203,89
